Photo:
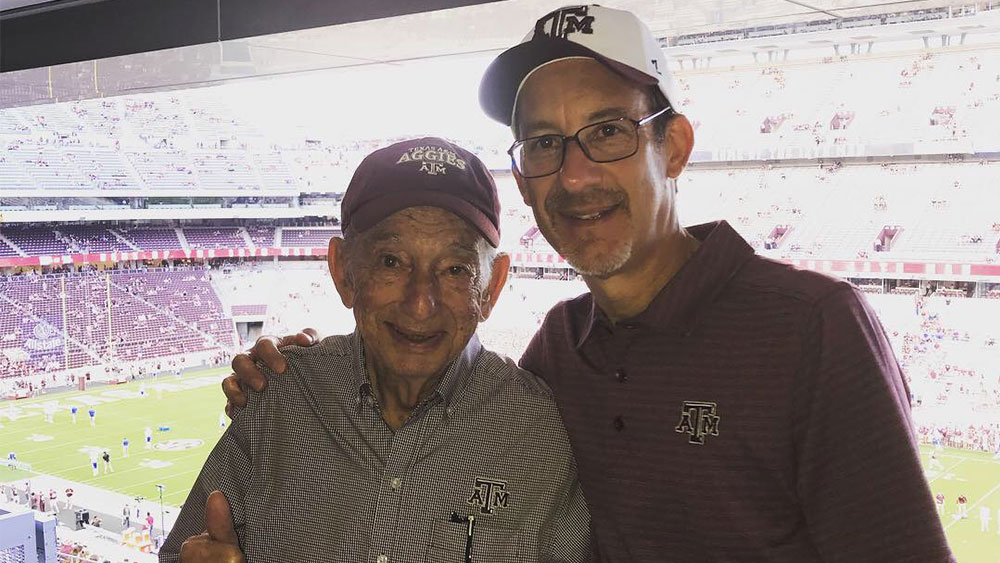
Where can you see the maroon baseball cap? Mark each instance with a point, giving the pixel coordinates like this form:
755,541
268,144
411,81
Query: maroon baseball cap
428,171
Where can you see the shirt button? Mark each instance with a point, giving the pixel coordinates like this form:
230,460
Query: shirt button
619,423
396,483
382,558
449,411
621,376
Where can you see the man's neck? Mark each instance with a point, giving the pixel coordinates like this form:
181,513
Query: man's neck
399,396
631,290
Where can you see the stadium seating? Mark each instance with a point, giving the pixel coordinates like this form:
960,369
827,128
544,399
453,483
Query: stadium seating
88,239
147,238
215,237
152,314
301,237
36,241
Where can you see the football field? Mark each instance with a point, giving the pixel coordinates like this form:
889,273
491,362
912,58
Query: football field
977,476
183,414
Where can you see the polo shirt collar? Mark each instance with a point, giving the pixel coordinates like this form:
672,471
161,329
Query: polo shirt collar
454,378
721,255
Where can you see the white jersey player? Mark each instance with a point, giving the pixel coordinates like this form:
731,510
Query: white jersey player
149,438
93,462
935,462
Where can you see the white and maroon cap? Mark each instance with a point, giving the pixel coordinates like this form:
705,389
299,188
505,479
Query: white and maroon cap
615,38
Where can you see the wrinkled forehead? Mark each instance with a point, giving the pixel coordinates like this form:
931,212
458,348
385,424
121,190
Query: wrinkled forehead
424,225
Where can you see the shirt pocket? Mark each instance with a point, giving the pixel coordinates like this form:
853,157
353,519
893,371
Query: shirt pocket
490,543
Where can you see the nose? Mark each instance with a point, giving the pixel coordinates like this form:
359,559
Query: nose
422,295
578,171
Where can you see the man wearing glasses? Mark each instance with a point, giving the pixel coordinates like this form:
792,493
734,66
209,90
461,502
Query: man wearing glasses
721,406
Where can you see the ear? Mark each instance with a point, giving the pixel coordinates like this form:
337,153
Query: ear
501,265
337,260
680,142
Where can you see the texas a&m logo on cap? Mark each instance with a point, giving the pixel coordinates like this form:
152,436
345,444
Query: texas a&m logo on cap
433,160
561,23
698,419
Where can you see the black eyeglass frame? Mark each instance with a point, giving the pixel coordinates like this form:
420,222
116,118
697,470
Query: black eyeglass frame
668,110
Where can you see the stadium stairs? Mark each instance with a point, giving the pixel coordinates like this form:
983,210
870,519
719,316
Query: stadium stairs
124,240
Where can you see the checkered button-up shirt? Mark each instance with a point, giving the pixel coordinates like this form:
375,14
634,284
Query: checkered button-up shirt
313,473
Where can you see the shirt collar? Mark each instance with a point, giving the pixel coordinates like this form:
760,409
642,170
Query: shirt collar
721,254
454,378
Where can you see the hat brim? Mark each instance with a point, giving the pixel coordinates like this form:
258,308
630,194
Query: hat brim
503,78
377,209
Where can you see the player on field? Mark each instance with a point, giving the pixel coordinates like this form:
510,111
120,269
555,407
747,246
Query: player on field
935,463
93,416
939,503
142,390
72,411
93,462
50,412
984,518
149,438
11,460
125,447
222,421
963,506
107,462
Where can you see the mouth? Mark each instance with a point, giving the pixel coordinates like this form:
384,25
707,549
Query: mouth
415,337
592,214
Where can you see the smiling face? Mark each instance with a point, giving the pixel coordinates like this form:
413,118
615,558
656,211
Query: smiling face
419,282
602,217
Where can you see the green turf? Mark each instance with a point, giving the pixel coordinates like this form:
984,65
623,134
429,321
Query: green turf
193,415
977,476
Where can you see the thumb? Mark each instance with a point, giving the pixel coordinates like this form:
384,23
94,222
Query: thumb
218,520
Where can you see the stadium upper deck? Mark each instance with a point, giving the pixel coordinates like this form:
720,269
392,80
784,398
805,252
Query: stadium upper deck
942,101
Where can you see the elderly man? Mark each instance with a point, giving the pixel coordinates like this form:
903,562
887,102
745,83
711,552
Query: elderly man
418,444
721,406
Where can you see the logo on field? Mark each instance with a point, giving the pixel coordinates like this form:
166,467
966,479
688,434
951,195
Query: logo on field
177,445
155,464
91,450
698,419
489,494
39,438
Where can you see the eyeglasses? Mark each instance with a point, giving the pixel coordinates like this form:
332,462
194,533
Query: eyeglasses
605,141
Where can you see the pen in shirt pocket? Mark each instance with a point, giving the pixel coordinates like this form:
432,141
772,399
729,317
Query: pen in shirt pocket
470,528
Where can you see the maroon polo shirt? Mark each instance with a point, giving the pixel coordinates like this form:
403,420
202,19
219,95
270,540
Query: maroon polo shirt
753,412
